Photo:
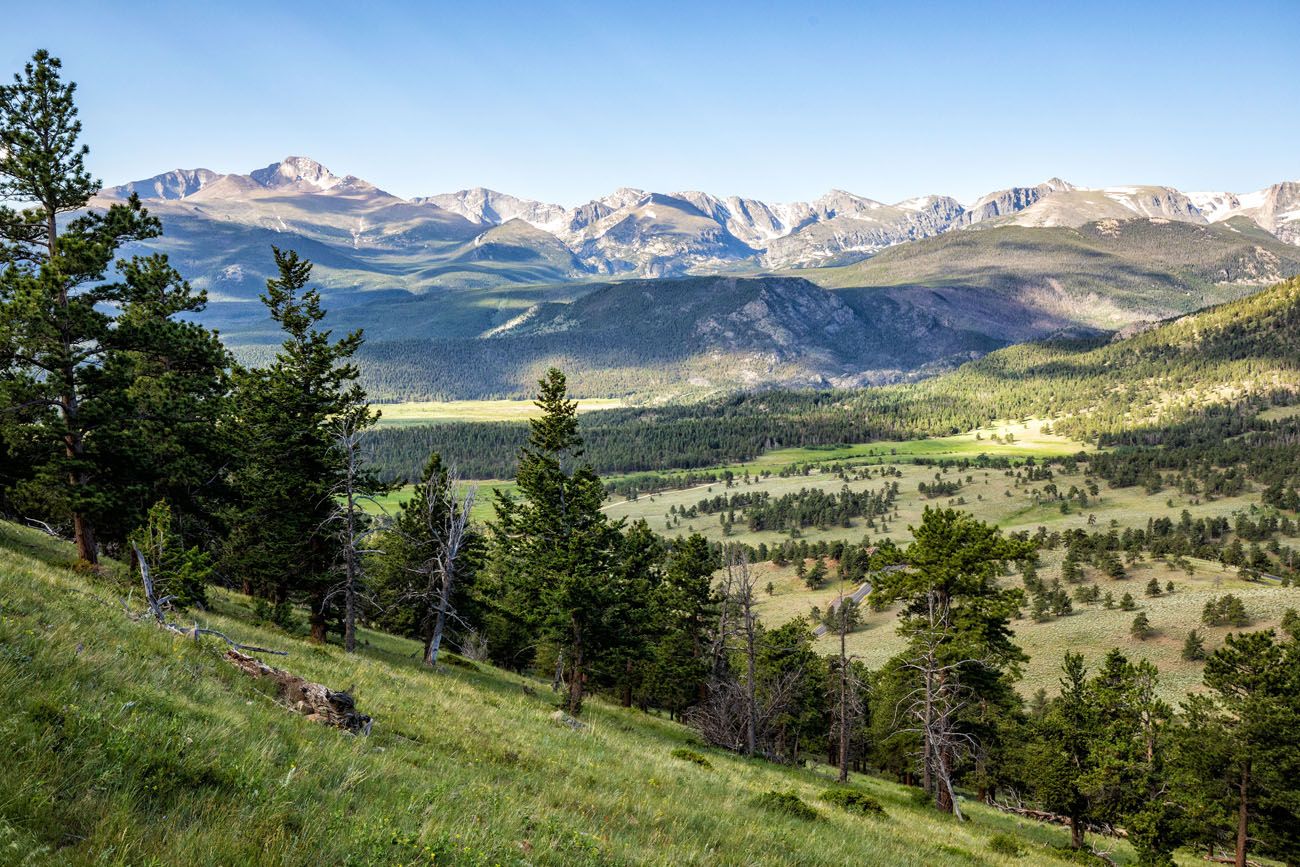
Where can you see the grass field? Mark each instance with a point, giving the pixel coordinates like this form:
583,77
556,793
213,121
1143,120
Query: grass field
125,744
995,497
425,412
1091,630
389,503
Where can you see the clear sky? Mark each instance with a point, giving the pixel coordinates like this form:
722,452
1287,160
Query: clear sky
781,101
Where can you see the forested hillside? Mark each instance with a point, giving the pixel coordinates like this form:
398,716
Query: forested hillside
1096,389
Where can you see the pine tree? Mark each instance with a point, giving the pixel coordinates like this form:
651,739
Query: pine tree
84,359
555,550
1240,748
956,617
1059,756
281,543
1141,627
1193,646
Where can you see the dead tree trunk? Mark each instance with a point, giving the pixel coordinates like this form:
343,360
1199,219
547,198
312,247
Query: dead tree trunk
844,691
455,528
316,701
744,583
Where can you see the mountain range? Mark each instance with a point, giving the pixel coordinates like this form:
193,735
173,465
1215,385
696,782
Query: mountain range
841,290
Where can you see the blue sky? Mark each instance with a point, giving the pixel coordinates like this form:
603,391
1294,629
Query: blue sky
782,101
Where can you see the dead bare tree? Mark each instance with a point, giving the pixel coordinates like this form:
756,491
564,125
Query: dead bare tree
314,700
355,487
934,706
436,538
742,582
456,509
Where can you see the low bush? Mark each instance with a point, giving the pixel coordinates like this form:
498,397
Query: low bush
788,803
691,756
853,801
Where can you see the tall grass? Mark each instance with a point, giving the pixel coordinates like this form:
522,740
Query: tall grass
124,744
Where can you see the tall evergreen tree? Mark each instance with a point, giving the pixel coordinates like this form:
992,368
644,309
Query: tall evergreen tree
1240,756
957,620
1059,756
556,552
281,544
107,396
685,604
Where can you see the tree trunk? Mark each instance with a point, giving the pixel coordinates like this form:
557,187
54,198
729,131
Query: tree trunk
350,588
942,793
844,691
434,645
751,700
575,682
319,625
350,610
627,684
1242,814
87,547
1076,833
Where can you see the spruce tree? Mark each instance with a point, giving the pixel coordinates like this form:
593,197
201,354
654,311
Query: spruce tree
1059,755
685,603
281,543
556,552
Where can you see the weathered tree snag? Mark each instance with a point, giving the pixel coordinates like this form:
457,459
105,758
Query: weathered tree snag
314,700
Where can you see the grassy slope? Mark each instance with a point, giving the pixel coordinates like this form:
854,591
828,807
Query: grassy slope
125,744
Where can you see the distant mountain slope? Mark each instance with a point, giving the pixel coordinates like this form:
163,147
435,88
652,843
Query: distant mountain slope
910,311
413,244
1107,274
1226,362
918,285
679,337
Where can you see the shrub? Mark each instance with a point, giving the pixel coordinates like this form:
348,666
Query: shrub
691,756
786,802
1006,844
853,801
1141,628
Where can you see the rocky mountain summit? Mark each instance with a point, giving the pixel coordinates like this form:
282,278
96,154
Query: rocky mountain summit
638,233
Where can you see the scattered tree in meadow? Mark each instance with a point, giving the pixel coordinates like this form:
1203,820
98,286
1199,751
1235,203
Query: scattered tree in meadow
1193,646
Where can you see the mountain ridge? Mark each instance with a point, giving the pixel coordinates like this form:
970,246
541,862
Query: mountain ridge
644,233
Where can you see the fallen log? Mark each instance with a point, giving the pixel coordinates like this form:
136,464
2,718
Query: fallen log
1057,819
314,700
